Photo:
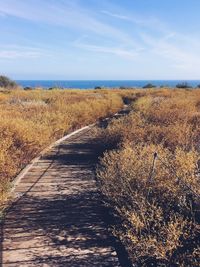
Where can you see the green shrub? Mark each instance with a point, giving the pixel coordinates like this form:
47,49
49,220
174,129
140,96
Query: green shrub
183,85
149,85
7,83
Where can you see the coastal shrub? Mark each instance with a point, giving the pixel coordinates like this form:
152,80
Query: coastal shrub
183,85
149,85
158,224
31,120
28,88
157,208
6,82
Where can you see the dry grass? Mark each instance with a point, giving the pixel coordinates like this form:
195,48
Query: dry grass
31,120
159,210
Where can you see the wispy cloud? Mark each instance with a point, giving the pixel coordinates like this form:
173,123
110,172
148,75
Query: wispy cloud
150,22
185,58
114,15
121,52
160,40
65,14
17,52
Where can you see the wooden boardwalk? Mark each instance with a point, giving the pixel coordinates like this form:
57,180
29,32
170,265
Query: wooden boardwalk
59,219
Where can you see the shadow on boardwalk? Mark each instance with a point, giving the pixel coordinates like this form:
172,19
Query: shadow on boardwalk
60,219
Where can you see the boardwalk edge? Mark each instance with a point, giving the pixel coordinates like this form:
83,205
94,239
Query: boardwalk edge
26,169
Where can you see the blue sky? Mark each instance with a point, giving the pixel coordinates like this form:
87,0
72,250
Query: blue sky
100,39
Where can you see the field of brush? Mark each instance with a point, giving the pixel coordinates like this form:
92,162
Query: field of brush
149,173
150,177
31,120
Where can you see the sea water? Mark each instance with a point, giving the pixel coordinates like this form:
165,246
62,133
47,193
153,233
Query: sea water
91,84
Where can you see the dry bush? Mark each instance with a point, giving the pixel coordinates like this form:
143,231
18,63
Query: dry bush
158,211
31,120
172,121
158,220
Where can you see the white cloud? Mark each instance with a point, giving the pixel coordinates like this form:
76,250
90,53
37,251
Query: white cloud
149,22
118,16
17,52
66,14
181,51
118,51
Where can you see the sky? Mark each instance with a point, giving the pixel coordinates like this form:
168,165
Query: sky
100,39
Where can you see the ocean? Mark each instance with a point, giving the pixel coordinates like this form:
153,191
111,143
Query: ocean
91,84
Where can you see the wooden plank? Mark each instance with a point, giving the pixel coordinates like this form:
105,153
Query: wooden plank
59,218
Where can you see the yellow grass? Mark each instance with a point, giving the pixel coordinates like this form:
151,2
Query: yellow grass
159,210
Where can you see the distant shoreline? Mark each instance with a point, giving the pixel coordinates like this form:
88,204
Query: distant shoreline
91,84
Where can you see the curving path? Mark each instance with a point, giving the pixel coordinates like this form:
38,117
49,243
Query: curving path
59,219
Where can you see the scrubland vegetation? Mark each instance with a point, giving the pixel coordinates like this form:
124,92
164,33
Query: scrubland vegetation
31,120
150,177
7,83
150,173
